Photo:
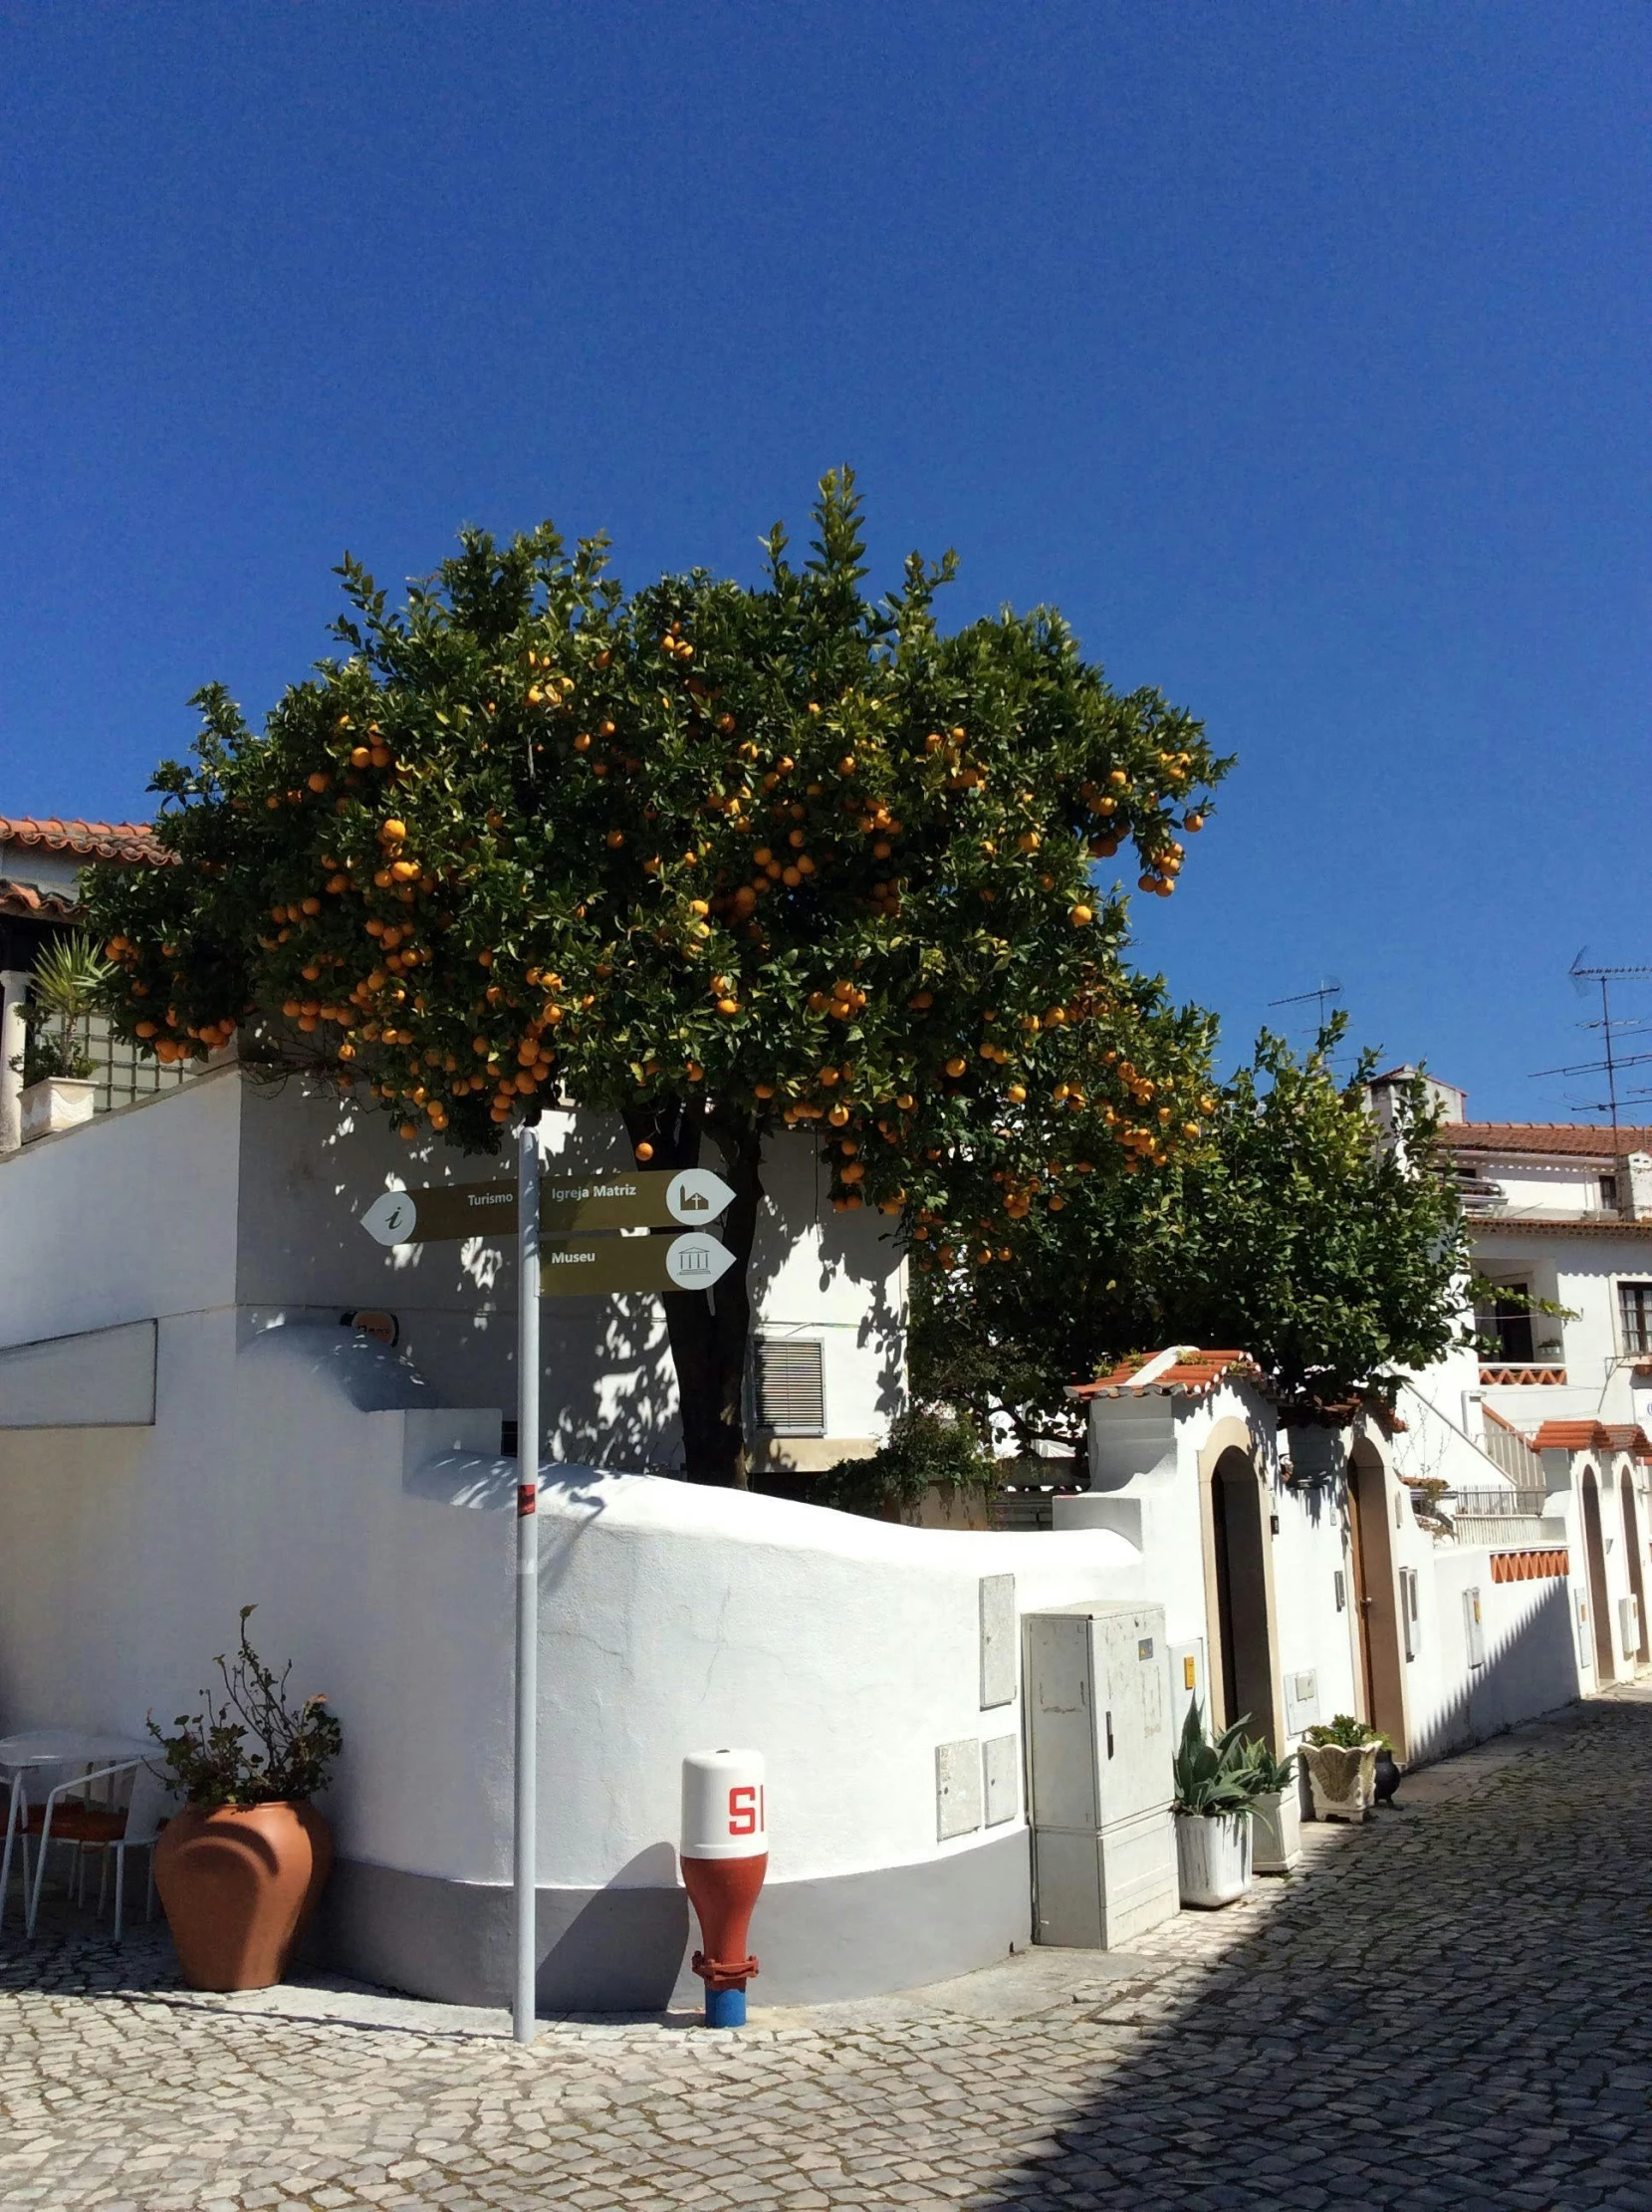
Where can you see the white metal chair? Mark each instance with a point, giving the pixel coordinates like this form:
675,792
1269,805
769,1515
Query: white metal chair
23,1820
147,1810
79,1821
17,1831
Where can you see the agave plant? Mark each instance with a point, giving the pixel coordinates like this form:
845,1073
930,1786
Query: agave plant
1213,1775
1268,1775
64,993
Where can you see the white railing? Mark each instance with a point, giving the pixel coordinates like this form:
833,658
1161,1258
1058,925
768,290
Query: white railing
1509,1451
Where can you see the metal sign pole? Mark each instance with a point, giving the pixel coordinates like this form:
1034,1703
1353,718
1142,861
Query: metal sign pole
524,1871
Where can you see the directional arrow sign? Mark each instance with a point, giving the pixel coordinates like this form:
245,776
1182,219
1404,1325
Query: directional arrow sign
600,1267
644,1198
453,1210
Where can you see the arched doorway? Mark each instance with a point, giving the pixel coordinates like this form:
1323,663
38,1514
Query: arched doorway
1376,1608
1242,1672
1631,1543
1594,1555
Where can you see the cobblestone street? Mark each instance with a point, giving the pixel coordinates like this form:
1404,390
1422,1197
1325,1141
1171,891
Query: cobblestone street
1447,2007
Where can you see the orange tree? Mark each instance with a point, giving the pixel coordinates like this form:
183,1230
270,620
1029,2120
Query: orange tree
724,862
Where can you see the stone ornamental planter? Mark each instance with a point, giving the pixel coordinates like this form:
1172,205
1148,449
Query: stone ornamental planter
1213,1857
1276,1832
1343,1779
55,1105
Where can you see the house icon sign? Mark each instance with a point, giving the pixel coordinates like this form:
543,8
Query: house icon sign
694,1201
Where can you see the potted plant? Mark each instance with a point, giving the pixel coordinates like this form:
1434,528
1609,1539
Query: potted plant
1275,1811
1213,1795
55,1064
240,1868
1341,1756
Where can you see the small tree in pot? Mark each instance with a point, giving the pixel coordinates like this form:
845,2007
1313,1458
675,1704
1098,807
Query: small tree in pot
241,1868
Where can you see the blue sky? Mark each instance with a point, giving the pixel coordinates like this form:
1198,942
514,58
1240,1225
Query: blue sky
1299,354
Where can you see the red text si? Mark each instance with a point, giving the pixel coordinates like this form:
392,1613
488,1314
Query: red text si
743,1809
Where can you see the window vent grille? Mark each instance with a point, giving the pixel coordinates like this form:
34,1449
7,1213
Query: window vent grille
790,1386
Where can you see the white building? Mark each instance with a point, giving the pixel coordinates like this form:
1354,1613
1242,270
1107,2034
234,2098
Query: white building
40,899
190,1424
191,1421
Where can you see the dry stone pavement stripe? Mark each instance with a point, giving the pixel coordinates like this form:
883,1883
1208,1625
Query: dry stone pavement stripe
1446,2010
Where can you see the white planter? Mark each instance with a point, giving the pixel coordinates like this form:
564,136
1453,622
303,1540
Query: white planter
1213,1857
1276,1832
1343,1779
57,1104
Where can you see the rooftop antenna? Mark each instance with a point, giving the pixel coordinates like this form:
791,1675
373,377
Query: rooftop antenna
1326,988
1582,976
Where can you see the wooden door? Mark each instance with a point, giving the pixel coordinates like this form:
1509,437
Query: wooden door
1361,1598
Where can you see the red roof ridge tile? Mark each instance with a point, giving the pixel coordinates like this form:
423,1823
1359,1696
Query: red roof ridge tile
1187,1372
1571,1436
1586,1137
92,840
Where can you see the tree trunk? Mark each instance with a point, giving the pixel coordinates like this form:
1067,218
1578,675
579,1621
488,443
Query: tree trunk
709,1331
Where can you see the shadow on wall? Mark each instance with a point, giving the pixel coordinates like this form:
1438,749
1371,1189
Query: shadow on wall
1352,2012
630,1423
629,1940
1499,1694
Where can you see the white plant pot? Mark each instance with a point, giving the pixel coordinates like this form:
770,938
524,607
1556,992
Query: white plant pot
1276,1832
1213,1857
57,1104
1343,1779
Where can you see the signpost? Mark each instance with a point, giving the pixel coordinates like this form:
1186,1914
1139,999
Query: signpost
583,1267
565,1264
657,1198
524,1874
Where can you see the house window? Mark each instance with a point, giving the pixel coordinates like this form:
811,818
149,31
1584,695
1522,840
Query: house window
1608,1194
790,1385
1634,1304
1409,1612
1502,1320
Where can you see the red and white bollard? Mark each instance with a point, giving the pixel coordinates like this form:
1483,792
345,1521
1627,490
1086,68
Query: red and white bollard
725,1856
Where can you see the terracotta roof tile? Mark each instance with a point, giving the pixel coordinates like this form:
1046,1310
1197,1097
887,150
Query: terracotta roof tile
38,902
1574,1139
1190,1372
89,840
1571,1436
1629,1437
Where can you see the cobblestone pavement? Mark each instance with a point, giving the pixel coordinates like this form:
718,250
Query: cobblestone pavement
1448,2008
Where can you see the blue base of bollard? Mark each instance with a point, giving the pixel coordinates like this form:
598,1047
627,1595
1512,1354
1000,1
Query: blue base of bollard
725,2008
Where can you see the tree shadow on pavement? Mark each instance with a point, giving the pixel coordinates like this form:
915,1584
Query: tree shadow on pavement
1453,2012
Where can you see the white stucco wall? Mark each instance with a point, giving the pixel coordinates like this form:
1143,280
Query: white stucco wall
220,1195
1582,1273
1145,1454
672,1616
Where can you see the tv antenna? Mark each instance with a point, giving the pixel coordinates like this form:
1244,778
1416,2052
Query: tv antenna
1326,988
1582,976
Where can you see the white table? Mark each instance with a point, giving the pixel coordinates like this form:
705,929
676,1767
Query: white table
85,1748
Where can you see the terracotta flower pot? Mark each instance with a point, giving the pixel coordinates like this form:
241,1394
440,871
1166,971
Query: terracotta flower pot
238,1883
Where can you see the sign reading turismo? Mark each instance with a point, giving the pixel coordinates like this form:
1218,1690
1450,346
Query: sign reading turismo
660,1198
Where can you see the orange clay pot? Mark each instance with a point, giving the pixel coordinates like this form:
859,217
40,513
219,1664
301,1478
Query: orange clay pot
238,1883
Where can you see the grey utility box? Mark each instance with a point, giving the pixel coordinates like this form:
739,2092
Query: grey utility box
1099,1750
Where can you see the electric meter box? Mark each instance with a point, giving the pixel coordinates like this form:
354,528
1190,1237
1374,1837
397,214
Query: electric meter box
1098,1707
